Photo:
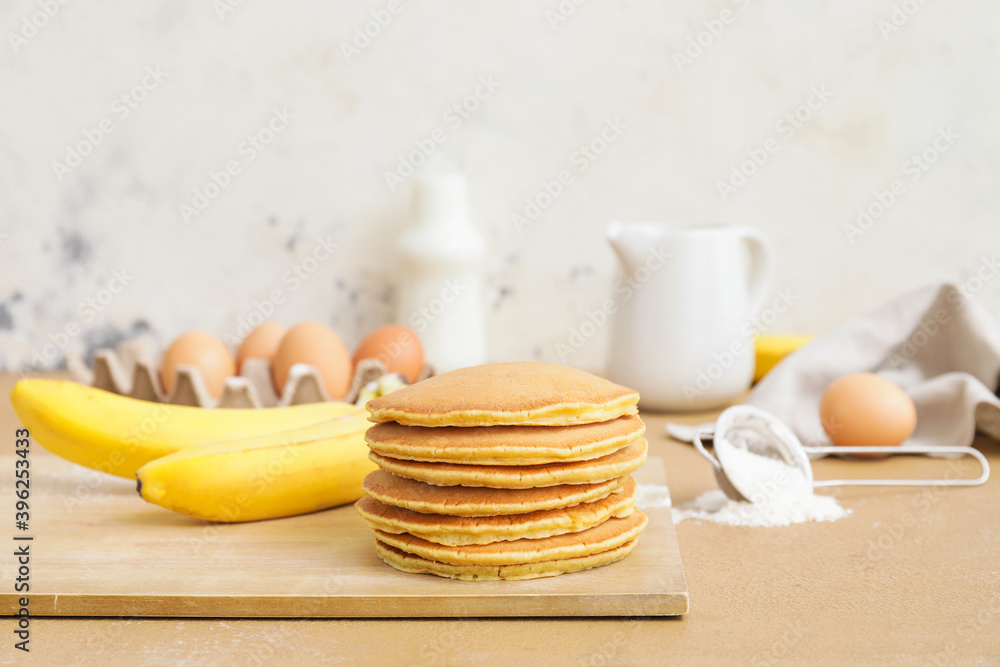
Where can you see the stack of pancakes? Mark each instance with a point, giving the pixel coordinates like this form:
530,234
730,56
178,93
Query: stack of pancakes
504,471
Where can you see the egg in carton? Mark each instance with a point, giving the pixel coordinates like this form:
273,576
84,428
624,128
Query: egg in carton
131,370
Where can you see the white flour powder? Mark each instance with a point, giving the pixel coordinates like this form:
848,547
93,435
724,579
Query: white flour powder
780,495
650,496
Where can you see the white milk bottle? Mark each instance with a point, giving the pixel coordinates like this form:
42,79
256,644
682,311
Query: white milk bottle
441,295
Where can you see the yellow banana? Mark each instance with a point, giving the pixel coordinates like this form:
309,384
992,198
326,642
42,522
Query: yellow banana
771,349
118,435
267,477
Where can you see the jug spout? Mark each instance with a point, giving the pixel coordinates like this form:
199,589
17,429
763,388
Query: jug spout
614,231
631,241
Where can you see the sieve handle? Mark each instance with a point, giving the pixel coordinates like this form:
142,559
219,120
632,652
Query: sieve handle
704,452
916,449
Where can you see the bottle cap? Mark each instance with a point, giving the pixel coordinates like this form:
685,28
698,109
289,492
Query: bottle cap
441,199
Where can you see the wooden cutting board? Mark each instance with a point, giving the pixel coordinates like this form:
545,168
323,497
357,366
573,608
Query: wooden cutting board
99,550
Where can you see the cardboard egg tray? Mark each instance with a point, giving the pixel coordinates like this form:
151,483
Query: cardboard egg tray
131,370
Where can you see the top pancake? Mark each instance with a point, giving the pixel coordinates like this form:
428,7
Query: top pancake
504,445
523,392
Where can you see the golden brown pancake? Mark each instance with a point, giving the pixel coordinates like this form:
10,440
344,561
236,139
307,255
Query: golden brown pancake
514,393
415,564
479,501
504,445
608,535
461,530
617,464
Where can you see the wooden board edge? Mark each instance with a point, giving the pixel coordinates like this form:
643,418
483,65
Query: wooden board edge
383,606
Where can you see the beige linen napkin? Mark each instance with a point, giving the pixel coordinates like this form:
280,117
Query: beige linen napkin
938,343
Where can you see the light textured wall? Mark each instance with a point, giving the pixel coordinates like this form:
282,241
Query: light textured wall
894,80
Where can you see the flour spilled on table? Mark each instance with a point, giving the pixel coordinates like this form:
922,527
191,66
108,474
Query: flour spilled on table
781,496
715,506
651,496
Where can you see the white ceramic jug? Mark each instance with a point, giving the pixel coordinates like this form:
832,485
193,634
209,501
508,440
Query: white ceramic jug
682,333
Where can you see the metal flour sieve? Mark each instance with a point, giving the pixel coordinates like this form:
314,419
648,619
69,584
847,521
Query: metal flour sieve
742,428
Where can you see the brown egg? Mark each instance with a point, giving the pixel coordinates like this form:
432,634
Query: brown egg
316,345
204,351
261,343
397,347
866,410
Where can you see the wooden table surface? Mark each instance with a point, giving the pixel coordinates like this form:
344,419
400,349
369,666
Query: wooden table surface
912,576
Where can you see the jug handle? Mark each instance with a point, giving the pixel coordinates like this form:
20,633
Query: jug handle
761,268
